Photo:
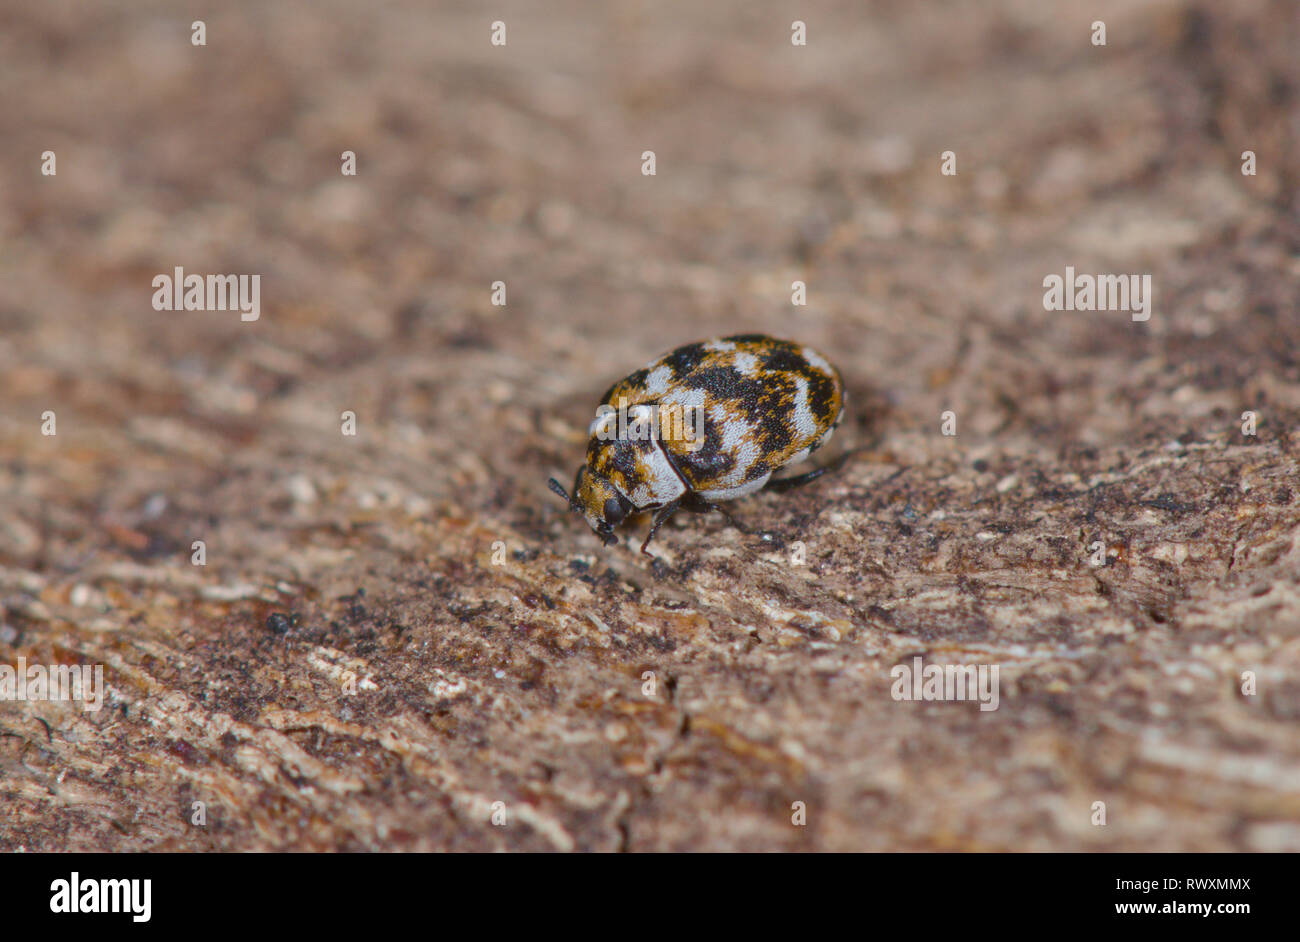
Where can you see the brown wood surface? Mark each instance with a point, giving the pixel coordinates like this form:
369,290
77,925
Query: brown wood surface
522,683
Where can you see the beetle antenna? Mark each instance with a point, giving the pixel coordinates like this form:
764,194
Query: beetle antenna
559,489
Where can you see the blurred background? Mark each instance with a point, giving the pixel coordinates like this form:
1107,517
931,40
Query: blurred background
522,164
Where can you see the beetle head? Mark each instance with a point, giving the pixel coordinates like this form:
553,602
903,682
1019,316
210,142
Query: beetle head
597,500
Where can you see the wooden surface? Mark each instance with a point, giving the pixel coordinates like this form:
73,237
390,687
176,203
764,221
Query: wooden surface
410,683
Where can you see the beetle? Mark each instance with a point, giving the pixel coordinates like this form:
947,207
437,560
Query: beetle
707,422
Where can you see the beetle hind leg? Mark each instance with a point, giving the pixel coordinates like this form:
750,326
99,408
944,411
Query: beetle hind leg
780,485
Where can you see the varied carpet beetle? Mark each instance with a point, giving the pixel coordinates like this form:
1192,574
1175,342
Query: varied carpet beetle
708,422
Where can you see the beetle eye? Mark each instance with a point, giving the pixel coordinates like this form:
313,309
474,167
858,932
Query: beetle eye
614,512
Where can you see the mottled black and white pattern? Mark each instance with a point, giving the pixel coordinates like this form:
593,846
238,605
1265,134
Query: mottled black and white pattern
765,403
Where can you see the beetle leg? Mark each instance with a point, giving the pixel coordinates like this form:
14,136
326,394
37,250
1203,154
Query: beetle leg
701,506
784,484
661,515
698,504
